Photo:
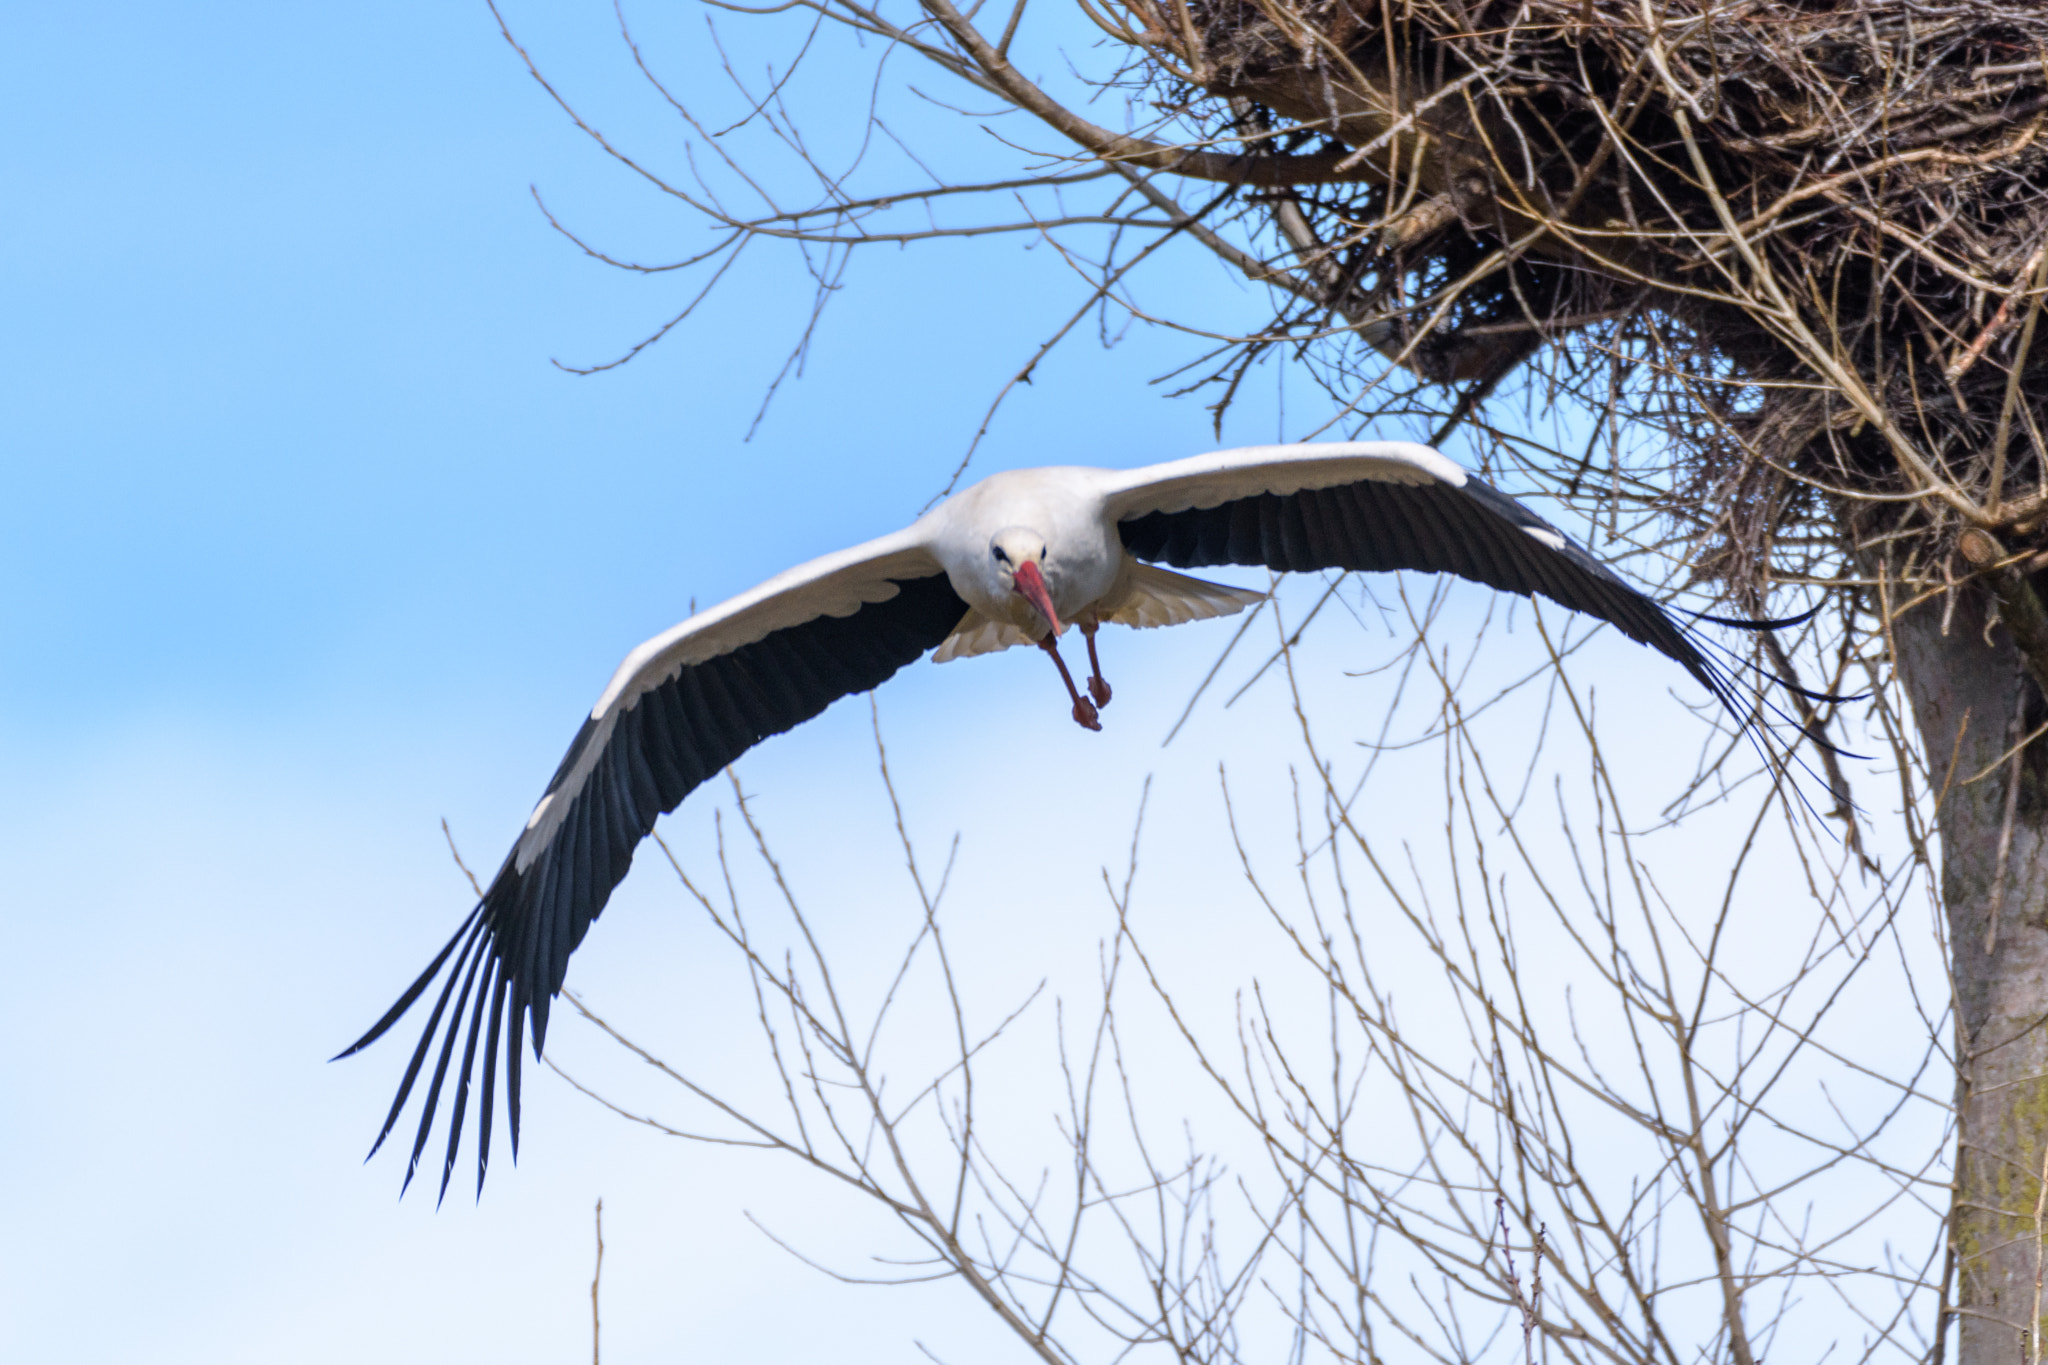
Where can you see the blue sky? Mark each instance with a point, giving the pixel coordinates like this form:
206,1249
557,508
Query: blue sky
307,547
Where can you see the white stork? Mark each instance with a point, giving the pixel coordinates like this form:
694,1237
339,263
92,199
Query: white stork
1015,558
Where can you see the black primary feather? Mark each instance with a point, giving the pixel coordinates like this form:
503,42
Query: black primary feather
512,952
1474,531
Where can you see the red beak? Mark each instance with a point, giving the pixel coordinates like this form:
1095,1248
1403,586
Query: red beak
1031,584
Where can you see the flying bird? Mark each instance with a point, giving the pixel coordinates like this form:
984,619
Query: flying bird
1014,559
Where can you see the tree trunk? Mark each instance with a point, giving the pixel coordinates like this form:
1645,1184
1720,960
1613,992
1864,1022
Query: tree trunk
1973,700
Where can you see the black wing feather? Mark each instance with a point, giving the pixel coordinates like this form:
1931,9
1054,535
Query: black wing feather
512,952
483,1118
1474,531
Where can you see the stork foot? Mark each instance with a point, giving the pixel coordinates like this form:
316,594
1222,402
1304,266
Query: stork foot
1084,709
1098,686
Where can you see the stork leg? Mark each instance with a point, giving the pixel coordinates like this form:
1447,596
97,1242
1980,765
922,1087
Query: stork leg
1084,710
1098,686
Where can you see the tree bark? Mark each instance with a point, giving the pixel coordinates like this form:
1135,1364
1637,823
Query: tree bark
1974,700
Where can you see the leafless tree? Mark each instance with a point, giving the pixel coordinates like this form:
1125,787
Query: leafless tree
1786,259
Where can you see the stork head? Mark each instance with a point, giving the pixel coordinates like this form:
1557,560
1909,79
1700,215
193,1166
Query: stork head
1018,554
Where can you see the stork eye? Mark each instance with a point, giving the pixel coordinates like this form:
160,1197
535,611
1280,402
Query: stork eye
1000,555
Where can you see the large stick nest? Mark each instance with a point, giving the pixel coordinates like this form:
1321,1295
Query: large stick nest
1810,235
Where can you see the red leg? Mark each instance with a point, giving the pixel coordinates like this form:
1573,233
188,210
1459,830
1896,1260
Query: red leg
1098,686
1084,710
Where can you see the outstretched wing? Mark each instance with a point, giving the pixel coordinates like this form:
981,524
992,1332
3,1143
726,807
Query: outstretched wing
1378,505
679,709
